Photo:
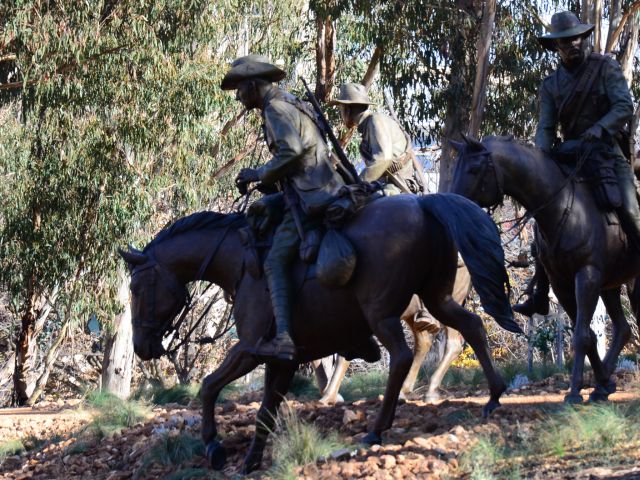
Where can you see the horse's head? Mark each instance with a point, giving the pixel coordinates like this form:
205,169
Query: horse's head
156,298
475,175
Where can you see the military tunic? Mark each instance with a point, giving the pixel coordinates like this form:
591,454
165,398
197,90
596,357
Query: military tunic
384,144
299,151
609,104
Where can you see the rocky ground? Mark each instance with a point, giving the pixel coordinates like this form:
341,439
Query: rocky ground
426,441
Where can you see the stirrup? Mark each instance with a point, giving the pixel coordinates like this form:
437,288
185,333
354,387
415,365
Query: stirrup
267,350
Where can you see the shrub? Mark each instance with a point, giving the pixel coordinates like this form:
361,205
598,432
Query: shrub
174,448
364,385
296,444
113,414
11,447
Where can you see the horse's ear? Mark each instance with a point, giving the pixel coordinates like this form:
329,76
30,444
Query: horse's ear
133,257
457,146
473,144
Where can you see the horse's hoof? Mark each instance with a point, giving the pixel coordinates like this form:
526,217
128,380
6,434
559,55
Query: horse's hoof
489,408
573,399
432,398
216,455
598,395
249,465
372,438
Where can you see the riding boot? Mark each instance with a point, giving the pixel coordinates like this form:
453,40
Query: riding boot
537,292
423,320
281,347
629,212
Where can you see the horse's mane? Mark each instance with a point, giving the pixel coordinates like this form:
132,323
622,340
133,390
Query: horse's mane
198,221
530,148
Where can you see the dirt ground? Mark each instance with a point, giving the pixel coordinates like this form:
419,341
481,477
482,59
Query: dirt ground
426,441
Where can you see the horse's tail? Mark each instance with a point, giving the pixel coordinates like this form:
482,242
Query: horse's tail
478,241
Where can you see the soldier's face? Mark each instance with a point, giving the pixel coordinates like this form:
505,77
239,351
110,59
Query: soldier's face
347,118
571,50
246,94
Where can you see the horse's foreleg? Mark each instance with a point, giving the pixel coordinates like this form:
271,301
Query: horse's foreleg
587,292
277,379
237,363
422,345
389,332
330,394
452,350
621,335
470,326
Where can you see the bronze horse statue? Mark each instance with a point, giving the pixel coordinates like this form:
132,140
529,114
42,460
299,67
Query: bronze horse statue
405,245
585,255
423,339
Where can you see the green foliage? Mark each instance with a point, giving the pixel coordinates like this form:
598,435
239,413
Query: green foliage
113,414
180,394
174,448
296,444
11,447
190,473
303,387
481,459
596,427
364,385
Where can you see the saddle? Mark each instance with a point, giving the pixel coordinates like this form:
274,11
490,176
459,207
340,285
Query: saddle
598,171
326,247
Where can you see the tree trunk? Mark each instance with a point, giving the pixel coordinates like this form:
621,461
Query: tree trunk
456,121
615,15
50,360
629,47
597,21
482,67
117,364
325,58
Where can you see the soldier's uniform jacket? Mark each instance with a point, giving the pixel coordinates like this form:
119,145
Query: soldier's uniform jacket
299,151
384,146
609,103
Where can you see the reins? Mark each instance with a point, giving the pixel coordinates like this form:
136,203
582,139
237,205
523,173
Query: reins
520,222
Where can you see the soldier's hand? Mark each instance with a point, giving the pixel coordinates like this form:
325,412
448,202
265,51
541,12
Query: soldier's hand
245,177
593,133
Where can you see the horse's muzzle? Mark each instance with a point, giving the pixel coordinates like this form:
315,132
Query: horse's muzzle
147,350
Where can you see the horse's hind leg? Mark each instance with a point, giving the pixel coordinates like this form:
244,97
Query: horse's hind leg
470,326
422,343
277,379
330,395
237,363
621,335
452,350
389,332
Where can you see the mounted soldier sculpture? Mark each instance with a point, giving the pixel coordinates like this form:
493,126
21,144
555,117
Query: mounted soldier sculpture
589,99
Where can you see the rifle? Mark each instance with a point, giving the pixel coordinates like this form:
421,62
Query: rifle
347,166
416,165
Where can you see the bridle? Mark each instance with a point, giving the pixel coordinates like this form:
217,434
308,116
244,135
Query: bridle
487,166
179,291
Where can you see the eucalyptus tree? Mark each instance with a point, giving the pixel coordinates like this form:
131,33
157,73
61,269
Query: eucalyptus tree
114,125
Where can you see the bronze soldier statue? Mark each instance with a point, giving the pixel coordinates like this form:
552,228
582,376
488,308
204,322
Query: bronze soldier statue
589,99
302,168
385,148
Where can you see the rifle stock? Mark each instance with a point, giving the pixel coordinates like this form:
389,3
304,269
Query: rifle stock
347,166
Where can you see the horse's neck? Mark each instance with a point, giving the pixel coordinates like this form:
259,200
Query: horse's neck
535,182
215,255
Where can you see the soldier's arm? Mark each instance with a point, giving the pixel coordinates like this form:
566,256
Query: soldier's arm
281,124
619,96
381,147
547,119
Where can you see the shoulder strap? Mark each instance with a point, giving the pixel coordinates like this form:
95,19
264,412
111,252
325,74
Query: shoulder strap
582,89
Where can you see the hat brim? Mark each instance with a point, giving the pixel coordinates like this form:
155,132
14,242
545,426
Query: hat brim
582,30
349,102
243,72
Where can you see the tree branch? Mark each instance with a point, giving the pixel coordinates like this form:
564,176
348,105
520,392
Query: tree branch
635,6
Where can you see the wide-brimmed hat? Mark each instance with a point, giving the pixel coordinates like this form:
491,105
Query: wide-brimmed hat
352,93
564,25
251,66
